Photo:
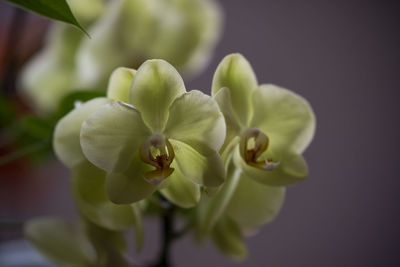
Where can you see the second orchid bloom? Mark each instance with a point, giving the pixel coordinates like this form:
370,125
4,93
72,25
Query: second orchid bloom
268,128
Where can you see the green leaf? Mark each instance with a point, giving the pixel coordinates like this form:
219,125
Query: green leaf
7,110
68,102
54,9
37,127
28,150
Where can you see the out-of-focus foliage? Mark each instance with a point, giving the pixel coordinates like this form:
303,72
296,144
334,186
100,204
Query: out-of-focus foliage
54,9
31,135
123,33
7,110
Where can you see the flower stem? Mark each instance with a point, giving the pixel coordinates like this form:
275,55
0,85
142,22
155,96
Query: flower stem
167,228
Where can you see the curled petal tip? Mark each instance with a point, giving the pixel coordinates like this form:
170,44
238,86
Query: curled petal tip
270,165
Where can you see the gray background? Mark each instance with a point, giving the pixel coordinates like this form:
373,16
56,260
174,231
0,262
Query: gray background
343,56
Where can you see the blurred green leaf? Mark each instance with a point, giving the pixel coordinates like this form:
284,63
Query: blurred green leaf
32,134
7,110
68,102
37,127
54,9
32,149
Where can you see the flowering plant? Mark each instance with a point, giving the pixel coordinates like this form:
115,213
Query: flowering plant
219,163
149,135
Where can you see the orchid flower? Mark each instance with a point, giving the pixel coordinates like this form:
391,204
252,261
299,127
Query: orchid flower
153,135
268,128
88,181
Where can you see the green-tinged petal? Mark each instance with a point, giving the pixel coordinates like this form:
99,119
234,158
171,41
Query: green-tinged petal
120,38
253,204
130,186
61,241
88,10
104,239
199,20
224,100
285,117
112,135
44,82
50,75
154,87
195,119
110,245
88,188
235,73
291,169
203,167
180,190
66,142
217,205
139,230
228,237
120,83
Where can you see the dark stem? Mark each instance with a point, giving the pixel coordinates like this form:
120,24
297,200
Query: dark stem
167,227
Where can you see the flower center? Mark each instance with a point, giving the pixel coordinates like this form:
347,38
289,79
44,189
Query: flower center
253,143
159,153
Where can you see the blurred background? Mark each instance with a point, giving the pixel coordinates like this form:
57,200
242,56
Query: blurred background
343,56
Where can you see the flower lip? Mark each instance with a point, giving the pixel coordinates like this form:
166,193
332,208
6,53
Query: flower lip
159,153
253,142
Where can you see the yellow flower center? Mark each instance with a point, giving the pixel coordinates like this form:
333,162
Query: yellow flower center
253,143
159,153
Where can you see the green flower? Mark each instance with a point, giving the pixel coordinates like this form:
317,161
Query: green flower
182,32
272,125
88,181
51,74
153,135
268,128
123,33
